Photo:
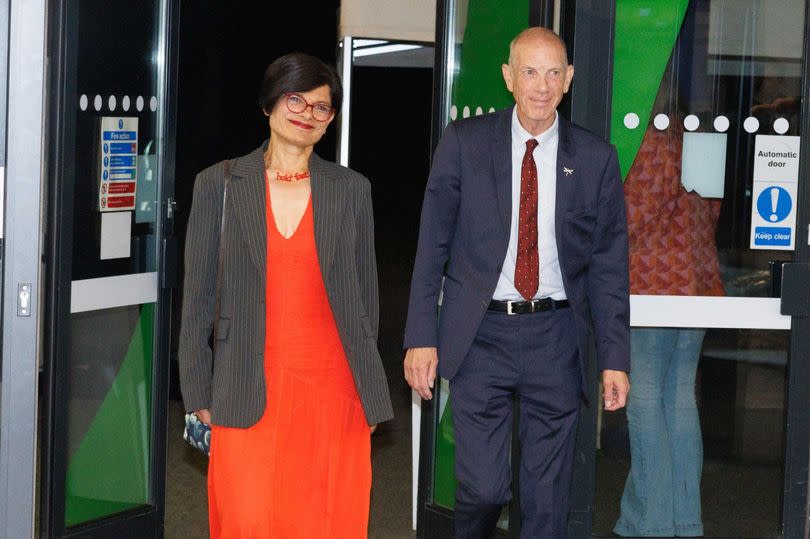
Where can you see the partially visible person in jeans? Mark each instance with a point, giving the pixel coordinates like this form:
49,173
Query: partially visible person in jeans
671,235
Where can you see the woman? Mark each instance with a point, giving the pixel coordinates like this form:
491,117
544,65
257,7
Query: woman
295,379
671,233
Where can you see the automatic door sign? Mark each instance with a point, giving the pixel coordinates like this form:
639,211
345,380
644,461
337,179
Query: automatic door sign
776,174
118,163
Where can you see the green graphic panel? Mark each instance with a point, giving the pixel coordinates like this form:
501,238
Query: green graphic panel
444,489
109,472
490,26
646,31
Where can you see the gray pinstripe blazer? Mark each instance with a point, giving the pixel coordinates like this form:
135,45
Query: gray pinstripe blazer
232,385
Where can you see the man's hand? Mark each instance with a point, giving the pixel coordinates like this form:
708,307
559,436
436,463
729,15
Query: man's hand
204,415
420,370
615,386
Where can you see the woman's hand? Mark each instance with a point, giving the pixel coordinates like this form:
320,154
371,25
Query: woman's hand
204,415
373,428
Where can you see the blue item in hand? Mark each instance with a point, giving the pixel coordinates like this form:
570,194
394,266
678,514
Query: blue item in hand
197,433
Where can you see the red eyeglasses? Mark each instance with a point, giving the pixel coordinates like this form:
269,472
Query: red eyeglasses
297,104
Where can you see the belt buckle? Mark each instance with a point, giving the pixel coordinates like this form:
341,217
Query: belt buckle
509,308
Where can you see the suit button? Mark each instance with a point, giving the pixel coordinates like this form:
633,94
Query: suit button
484,304
499,268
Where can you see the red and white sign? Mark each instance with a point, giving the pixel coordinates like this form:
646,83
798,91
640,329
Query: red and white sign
118,166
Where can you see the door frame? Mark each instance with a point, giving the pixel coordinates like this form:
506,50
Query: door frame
22,32
146,521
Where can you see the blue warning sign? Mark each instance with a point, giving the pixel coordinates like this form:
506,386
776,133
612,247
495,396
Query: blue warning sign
774,204
772,236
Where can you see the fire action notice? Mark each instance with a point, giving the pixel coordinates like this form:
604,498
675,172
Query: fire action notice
118,177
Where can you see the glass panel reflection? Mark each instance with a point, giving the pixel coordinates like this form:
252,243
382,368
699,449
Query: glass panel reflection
701,89
738,398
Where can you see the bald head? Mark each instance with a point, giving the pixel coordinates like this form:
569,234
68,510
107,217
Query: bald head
537,36
537,75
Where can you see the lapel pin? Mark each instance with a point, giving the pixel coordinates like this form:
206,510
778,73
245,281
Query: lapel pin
568,171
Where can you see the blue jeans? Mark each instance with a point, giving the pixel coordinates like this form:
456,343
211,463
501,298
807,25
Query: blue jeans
662,494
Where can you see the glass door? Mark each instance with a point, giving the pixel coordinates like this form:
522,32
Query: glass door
705,110
110,260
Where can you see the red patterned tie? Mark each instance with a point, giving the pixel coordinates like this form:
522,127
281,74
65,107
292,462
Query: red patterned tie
527,266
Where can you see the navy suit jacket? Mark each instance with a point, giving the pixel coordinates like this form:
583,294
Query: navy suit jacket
464,235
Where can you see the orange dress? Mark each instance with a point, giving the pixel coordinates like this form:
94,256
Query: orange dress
304,470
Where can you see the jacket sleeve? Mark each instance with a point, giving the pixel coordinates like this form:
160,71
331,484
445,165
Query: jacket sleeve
201,259
367,258
436,231
608,280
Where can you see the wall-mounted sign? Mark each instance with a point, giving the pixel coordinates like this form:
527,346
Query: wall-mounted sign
118,174
776,174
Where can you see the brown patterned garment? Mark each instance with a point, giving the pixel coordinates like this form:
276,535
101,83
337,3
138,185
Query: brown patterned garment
671,231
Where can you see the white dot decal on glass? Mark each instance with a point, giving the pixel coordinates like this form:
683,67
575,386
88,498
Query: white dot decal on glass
751,124
631,120
781,126
465,113
453,112
691,122
661,121
479,111
112,102
83,102
125,103
491,109
97,102
721,124
139,103
153,104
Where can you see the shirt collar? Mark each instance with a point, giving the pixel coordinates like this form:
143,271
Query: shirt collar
520,135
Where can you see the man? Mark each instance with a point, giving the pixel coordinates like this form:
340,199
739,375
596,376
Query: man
527,212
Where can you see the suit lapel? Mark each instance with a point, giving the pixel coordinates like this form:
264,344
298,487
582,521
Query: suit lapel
502,162
248,191
328,208
566,182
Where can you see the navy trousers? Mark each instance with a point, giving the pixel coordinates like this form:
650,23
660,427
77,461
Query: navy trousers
531,357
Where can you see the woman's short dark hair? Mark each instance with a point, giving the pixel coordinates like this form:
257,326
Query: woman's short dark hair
298,72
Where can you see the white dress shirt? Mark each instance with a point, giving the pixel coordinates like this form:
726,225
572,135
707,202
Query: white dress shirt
545,159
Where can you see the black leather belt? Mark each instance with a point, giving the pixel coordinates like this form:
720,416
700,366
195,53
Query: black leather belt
525,307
